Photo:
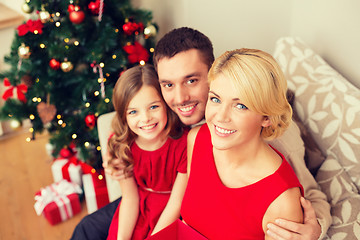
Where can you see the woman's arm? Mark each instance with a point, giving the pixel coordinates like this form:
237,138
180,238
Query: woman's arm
286,206
129,208
172,210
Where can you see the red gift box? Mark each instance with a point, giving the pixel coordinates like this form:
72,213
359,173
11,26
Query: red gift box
96,193
177,230
58,201
67,168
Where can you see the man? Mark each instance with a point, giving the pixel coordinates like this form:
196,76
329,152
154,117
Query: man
182,59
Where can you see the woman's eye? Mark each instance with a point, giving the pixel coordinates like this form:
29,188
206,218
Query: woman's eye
132,112
215,100
154,107
241,106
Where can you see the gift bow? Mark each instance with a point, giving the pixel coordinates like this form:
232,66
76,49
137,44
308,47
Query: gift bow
18,90
56,192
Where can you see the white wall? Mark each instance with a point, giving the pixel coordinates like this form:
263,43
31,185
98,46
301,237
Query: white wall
330,27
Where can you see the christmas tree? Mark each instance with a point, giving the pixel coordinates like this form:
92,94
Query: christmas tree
64,62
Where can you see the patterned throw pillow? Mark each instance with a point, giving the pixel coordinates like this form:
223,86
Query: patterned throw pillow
344,200
326,103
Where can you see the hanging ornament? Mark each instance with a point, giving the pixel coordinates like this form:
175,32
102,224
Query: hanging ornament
44,15
15,124
27,80
90,121
46,112
136,52
101,79
150,31
94,7
24,51
26,8
71,8
54,64
66,66
77,16
34,26
14,91
130,27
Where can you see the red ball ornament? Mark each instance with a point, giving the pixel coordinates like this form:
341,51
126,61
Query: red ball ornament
77,16
90,120
54,64
65,153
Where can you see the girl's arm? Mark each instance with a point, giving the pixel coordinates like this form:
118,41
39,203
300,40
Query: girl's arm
172,209
190,146
129,208
286,206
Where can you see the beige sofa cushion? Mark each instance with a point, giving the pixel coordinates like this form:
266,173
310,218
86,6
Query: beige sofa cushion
326,103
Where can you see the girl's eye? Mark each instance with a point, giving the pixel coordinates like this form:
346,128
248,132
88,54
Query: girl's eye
214,99
241,106
132,112
154,107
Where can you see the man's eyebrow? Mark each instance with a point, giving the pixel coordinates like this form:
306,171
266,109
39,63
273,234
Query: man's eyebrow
190,75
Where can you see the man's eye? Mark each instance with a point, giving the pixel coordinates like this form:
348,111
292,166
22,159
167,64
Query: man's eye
241,106
167,85
215,100
132,112
190,81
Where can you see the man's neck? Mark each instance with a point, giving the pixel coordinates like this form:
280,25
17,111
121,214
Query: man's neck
199,123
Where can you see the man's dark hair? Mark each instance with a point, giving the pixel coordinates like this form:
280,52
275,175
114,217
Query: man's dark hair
183,39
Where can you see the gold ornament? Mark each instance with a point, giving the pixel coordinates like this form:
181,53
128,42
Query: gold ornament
24,51
44,15
15,124
150,31
66,66
26,8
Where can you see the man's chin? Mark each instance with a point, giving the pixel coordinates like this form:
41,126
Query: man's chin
189,120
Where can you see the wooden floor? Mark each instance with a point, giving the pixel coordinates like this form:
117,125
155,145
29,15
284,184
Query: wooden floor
24,169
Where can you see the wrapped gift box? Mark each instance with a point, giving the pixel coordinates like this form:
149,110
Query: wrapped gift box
58,201
96,194
67,168
177,230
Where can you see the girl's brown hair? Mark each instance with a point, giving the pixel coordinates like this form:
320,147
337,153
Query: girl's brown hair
127,86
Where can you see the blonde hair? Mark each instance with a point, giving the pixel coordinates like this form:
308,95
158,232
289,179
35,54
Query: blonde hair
127,86
259,81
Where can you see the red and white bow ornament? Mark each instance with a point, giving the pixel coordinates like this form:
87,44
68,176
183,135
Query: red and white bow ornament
14,91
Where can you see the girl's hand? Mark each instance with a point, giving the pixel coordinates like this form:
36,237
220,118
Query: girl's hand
117,172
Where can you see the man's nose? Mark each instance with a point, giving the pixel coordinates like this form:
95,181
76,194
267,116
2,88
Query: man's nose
181,95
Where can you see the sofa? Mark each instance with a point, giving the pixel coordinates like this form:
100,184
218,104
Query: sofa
327,118
327,110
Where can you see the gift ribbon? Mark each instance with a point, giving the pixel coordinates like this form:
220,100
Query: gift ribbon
11,91
57,192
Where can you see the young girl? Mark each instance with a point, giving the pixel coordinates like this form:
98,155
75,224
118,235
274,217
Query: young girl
150,144
238,183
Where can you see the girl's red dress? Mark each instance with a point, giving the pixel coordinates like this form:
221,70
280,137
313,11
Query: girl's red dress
155,170
219,212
